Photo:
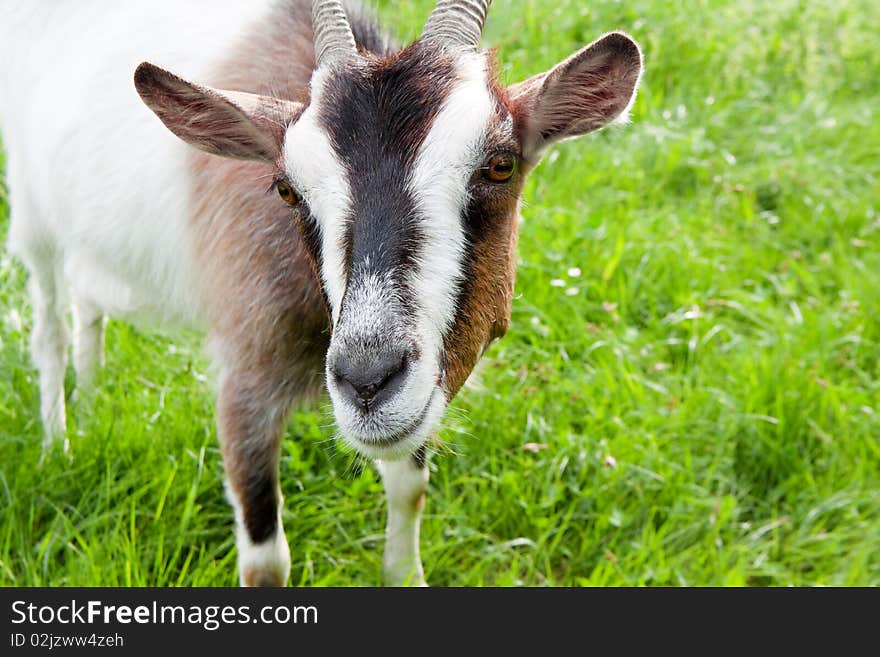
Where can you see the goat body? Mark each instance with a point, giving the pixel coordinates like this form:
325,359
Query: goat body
387,272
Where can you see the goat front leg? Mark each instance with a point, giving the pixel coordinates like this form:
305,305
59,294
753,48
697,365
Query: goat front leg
251,414
406,483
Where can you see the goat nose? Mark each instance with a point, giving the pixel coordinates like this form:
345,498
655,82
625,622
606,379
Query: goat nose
369,383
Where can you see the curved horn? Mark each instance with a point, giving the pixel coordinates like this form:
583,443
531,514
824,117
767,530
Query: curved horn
457,22
333,37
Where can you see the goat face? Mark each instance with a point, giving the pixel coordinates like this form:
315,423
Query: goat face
404,174
391,162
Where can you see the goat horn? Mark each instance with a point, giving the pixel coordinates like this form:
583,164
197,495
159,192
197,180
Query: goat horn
333,37
457,22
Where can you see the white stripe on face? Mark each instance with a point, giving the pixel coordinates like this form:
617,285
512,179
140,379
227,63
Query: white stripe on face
316,171
447,159
437,183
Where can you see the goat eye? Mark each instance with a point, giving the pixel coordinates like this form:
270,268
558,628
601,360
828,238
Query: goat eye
500,168
285,191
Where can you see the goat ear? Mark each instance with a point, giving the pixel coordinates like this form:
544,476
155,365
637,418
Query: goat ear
229,123
587,91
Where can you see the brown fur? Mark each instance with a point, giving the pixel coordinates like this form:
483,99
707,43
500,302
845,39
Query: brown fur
269,327
484,314
581,94
261,578
233,124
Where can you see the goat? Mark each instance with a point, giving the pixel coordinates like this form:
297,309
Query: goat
380,271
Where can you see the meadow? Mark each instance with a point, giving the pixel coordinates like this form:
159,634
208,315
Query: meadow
689,393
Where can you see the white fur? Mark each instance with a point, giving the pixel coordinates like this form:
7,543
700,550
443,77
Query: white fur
447,159
317,173
98,187
107,196
49,340
405,484
88,342
270,558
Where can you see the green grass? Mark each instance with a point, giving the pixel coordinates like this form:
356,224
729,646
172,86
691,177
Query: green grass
704,397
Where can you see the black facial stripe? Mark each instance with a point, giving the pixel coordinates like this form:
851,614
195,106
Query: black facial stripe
376,119
382,228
